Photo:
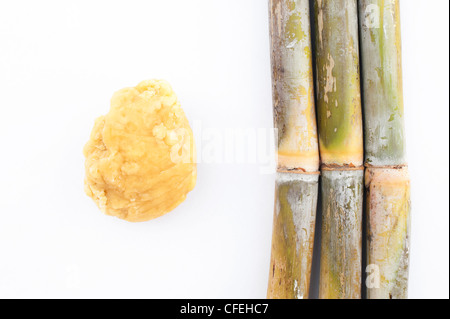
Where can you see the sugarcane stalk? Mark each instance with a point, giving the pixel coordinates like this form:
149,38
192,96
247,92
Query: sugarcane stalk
338,93
388,235
293,235
340,271
341,147
387,179
382,82
297,179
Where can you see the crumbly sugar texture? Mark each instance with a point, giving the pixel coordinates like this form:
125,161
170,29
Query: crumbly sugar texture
140,158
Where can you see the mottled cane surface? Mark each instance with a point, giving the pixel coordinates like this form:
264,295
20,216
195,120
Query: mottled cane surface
293,236
338,82
293,89
387,178
382,82
389,228
341,259
297,149
341,147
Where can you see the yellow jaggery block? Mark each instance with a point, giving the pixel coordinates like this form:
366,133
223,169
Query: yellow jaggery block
140,158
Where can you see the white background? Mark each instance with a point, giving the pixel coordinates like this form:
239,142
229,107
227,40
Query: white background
60,62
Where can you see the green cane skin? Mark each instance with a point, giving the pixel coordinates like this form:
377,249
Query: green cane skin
338,82
388,231
381,74
387,179
293,89
341,248
341,147
293,236
297,150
